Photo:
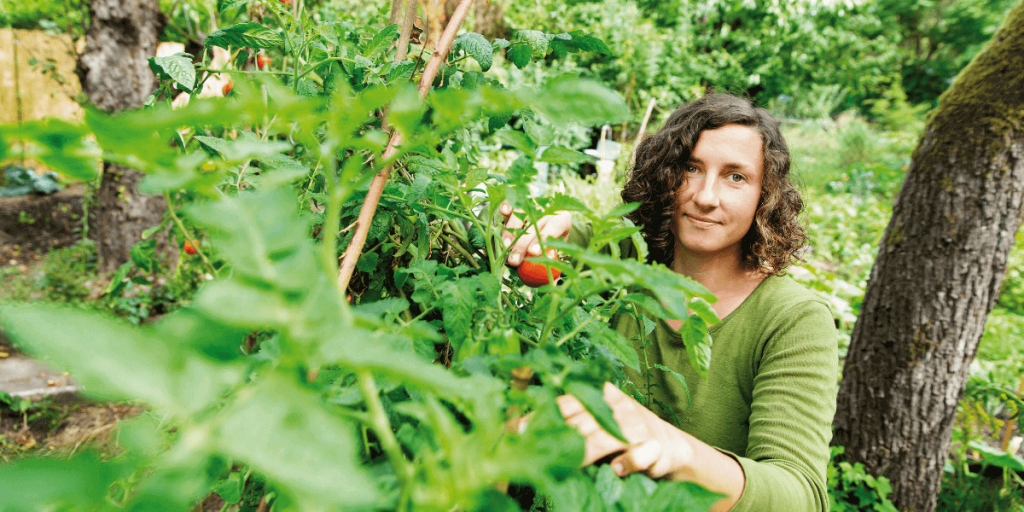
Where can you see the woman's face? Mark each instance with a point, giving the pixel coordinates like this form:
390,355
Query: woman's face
715,205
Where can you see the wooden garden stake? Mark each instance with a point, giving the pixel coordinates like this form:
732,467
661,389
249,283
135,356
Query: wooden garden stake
355,247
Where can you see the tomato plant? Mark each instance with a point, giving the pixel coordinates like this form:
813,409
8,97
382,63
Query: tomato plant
399,401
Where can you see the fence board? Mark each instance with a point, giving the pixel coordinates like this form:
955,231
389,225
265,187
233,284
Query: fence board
41,95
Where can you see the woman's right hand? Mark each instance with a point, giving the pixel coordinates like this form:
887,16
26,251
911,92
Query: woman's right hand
549,226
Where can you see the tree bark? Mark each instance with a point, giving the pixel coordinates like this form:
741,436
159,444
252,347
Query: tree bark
488,20
937,275
115,75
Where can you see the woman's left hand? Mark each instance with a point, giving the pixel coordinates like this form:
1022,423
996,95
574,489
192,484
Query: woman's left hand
655,447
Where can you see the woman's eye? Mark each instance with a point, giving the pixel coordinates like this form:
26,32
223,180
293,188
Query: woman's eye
691,169
737,178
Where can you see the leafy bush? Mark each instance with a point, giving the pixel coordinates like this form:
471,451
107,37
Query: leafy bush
20,181
68,16
850,488
979,475
1011,295
269,383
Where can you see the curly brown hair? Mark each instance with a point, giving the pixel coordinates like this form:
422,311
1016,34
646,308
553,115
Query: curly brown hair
774,238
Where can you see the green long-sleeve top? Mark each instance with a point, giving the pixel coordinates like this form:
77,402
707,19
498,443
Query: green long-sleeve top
770,394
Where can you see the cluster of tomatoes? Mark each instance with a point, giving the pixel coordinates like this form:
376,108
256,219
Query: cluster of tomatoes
262,61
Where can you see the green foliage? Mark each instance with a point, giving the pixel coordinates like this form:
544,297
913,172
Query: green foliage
1011,295
850,488
63,275
979,476
56,144
20,181
937,39
269,368
55,16
177,67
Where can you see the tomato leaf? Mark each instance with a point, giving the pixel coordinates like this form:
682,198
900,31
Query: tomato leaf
248,34
679,377
562,155
698,343
615,342
537,40
681,496
178,67
289,434
381,40
476,46
519,54
593,400
704,310
227,5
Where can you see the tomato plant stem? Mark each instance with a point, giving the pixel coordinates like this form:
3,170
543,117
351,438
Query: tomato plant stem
388,442
321,63
188,236
483,227
244,72
461,250
369,207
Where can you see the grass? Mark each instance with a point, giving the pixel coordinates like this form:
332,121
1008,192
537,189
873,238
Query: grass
63,275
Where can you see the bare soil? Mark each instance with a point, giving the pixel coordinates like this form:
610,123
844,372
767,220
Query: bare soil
32,225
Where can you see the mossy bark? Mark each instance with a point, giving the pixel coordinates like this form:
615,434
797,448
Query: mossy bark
937,275
115,75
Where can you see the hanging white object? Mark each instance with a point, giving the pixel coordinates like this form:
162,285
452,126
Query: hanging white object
607,152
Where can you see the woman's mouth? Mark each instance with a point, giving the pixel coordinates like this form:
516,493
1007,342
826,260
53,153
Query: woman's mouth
700,222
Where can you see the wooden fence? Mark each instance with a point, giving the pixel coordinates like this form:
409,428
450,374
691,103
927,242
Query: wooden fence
25,91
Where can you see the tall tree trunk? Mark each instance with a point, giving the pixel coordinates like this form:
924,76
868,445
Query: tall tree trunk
487,19
938,272
115,75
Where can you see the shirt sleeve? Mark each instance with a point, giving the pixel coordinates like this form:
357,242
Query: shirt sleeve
581,231
793,402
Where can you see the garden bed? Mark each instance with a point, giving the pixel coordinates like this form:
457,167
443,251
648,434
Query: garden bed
32,225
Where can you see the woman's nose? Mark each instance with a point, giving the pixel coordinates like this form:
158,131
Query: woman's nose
706,196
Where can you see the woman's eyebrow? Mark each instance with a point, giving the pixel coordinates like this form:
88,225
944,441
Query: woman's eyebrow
732,166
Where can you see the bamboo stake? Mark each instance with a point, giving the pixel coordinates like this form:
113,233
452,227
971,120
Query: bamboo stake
355,247
405,30
643,129
643,125
396,5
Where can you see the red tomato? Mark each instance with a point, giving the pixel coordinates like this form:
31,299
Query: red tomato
227,88
190,246
262,61
536,274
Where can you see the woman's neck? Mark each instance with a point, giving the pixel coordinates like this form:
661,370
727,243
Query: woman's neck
724,276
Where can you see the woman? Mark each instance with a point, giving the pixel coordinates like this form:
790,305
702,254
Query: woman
718,207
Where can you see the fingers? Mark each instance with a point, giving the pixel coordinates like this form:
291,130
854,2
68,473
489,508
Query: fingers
570,406
599,444
549,226
649,445
647,457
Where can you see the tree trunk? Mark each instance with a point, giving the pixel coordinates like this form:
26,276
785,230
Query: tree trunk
115,75
488,20
938,272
